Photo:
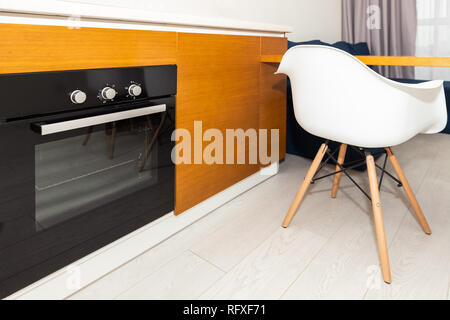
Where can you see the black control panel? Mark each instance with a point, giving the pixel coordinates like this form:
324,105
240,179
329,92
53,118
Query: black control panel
40,93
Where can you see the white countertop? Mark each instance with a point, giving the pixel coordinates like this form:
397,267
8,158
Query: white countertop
62,9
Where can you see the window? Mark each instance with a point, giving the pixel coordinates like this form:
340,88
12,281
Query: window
433,36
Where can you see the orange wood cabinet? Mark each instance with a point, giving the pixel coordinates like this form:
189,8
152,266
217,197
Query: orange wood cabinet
30,48
272,107
218,79
221,82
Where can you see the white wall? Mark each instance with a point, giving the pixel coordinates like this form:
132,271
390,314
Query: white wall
311,19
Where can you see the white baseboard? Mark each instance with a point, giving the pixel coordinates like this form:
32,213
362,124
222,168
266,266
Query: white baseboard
81,273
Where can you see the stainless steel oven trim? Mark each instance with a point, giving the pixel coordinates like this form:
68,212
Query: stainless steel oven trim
63,126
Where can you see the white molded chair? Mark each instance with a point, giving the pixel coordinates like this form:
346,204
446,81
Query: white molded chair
339,98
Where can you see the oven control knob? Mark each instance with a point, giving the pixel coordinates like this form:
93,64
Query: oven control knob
134,90
108,93
78,97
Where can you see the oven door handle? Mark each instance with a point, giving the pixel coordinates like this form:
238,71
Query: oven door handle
50,128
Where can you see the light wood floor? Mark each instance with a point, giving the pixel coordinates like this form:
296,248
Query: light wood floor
240,250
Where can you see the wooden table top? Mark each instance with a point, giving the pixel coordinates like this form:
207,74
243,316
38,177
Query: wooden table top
384,60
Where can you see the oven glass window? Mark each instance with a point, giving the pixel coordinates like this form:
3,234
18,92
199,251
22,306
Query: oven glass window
107,162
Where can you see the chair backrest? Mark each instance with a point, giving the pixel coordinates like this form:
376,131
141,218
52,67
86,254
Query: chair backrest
339,98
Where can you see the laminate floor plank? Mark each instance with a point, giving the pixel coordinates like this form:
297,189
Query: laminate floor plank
178,279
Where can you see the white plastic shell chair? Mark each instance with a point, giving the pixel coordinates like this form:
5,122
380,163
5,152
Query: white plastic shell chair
339,98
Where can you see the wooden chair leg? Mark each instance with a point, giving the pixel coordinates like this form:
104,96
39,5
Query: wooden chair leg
88,135
378,218
305,185
153,141
337,176
112,140
409,193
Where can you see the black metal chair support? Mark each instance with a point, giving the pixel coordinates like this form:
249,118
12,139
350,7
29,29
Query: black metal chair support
323,164
382,171
352,180
354,164
399,184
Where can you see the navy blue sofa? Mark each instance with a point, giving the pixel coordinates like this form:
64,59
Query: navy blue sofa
300,142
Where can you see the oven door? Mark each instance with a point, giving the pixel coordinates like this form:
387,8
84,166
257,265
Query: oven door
72,185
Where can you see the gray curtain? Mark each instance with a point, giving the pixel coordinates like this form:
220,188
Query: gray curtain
388,26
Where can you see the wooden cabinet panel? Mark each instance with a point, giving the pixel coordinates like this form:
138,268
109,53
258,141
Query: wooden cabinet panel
272,107
218,83
273,46
30,48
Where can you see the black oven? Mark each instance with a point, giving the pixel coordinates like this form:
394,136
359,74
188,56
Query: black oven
85,158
